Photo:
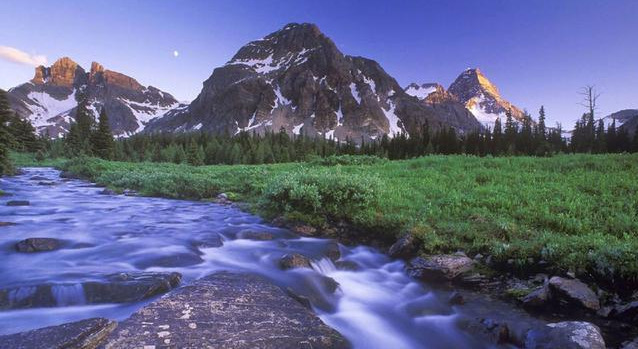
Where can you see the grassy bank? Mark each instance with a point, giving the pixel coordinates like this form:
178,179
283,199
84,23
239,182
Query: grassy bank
577,212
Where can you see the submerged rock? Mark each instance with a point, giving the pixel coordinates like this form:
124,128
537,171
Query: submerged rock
6,224
84,334
487,329
225,310
37,245
294,260
176,260
255,235
38,178
405,247
18,203
440,267
573,292
566,335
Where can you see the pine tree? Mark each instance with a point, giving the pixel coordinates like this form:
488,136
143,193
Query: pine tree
511,131
497,138
195,155
102,143
5,137
78,139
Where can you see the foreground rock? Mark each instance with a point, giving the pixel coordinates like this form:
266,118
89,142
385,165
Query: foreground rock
85,334
440,267
566,335
37,245
573,292
225,310
116,288
405,247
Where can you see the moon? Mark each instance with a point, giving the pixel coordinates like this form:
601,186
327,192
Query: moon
175,53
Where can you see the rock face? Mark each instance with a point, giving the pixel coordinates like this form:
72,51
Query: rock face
573,292
297,79
482,98
225,310
85,334
566,335
440,267
37,245
49,99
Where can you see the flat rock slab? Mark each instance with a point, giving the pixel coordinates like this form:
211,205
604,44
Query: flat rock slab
225,310
85,334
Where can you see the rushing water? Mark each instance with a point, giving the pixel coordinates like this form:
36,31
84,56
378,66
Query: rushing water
375,306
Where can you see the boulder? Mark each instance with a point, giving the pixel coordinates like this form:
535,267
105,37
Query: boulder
489,330
439,267
304,230
294,260
6,224
627,312
18,203
37,245
225,310
130,287
573,292
84,334
566,335
347,265
129,192
456,298
107,191
255,235
404,247
332,251
537,298
38,178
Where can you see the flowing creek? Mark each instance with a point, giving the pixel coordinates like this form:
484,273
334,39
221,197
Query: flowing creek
375,306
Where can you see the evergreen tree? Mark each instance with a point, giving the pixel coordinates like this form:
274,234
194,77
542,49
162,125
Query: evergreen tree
195,155
78,139
102,143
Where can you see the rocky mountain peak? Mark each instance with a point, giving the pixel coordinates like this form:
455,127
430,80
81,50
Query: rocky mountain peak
482,98
63,72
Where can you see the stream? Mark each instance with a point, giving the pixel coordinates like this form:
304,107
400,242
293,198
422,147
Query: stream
375,306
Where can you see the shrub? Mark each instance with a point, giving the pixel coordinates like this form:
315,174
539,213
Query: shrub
334,160
329,195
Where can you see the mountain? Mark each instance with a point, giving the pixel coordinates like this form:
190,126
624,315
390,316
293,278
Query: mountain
482,98
49,99
297,79
626,119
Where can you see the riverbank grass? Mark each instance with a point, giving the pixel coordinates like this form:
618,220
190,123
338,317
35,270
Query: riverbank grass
568,212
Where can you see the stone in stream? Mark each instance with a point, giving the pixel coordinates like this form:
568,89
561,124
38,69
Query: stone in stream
38,178
573,292
439,267
130,287
18,203
566,335
176,260
107,191
332,251
294,260
255,235
84,334
404,248
537,298
489,330
37,245
6,224
46,183
117,288
225,310
630,344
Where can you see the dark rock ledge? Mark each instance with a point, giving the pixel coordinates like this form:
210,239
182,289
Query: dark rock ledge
84,334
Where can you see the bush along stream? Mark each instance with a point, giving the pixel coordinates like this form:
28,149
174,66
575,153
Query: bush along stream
379,203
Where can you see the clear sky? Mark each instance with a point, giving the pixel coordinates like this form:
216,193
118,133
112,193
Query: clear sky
536,52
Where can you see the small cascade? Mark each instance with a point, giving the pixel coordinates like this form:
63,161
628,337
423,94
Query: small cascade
66,295
324,266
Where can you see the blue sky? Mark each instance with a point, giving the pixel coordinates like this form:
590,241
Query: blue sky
536,52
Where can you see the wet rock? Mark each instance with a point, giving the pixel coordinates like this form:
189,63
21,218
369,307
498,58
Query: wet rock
404,247
627,312
537,298
347,265
566,335
46,183
107,191
255,235
37,245
439,267
171,261
489,330
456,299
315,291
27,297
630,344
332,251
18,203
211,240
573,292
84,334
6,224
304,229
129,192
225,310
38,178
294,260
130,287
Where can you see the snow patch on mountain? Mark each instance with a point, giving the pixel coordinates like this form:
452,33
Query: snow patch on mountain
420,92
393,120
45,107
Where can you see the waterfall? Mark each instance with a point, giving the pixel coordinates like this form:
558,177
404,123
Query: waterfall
66,295
323,266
